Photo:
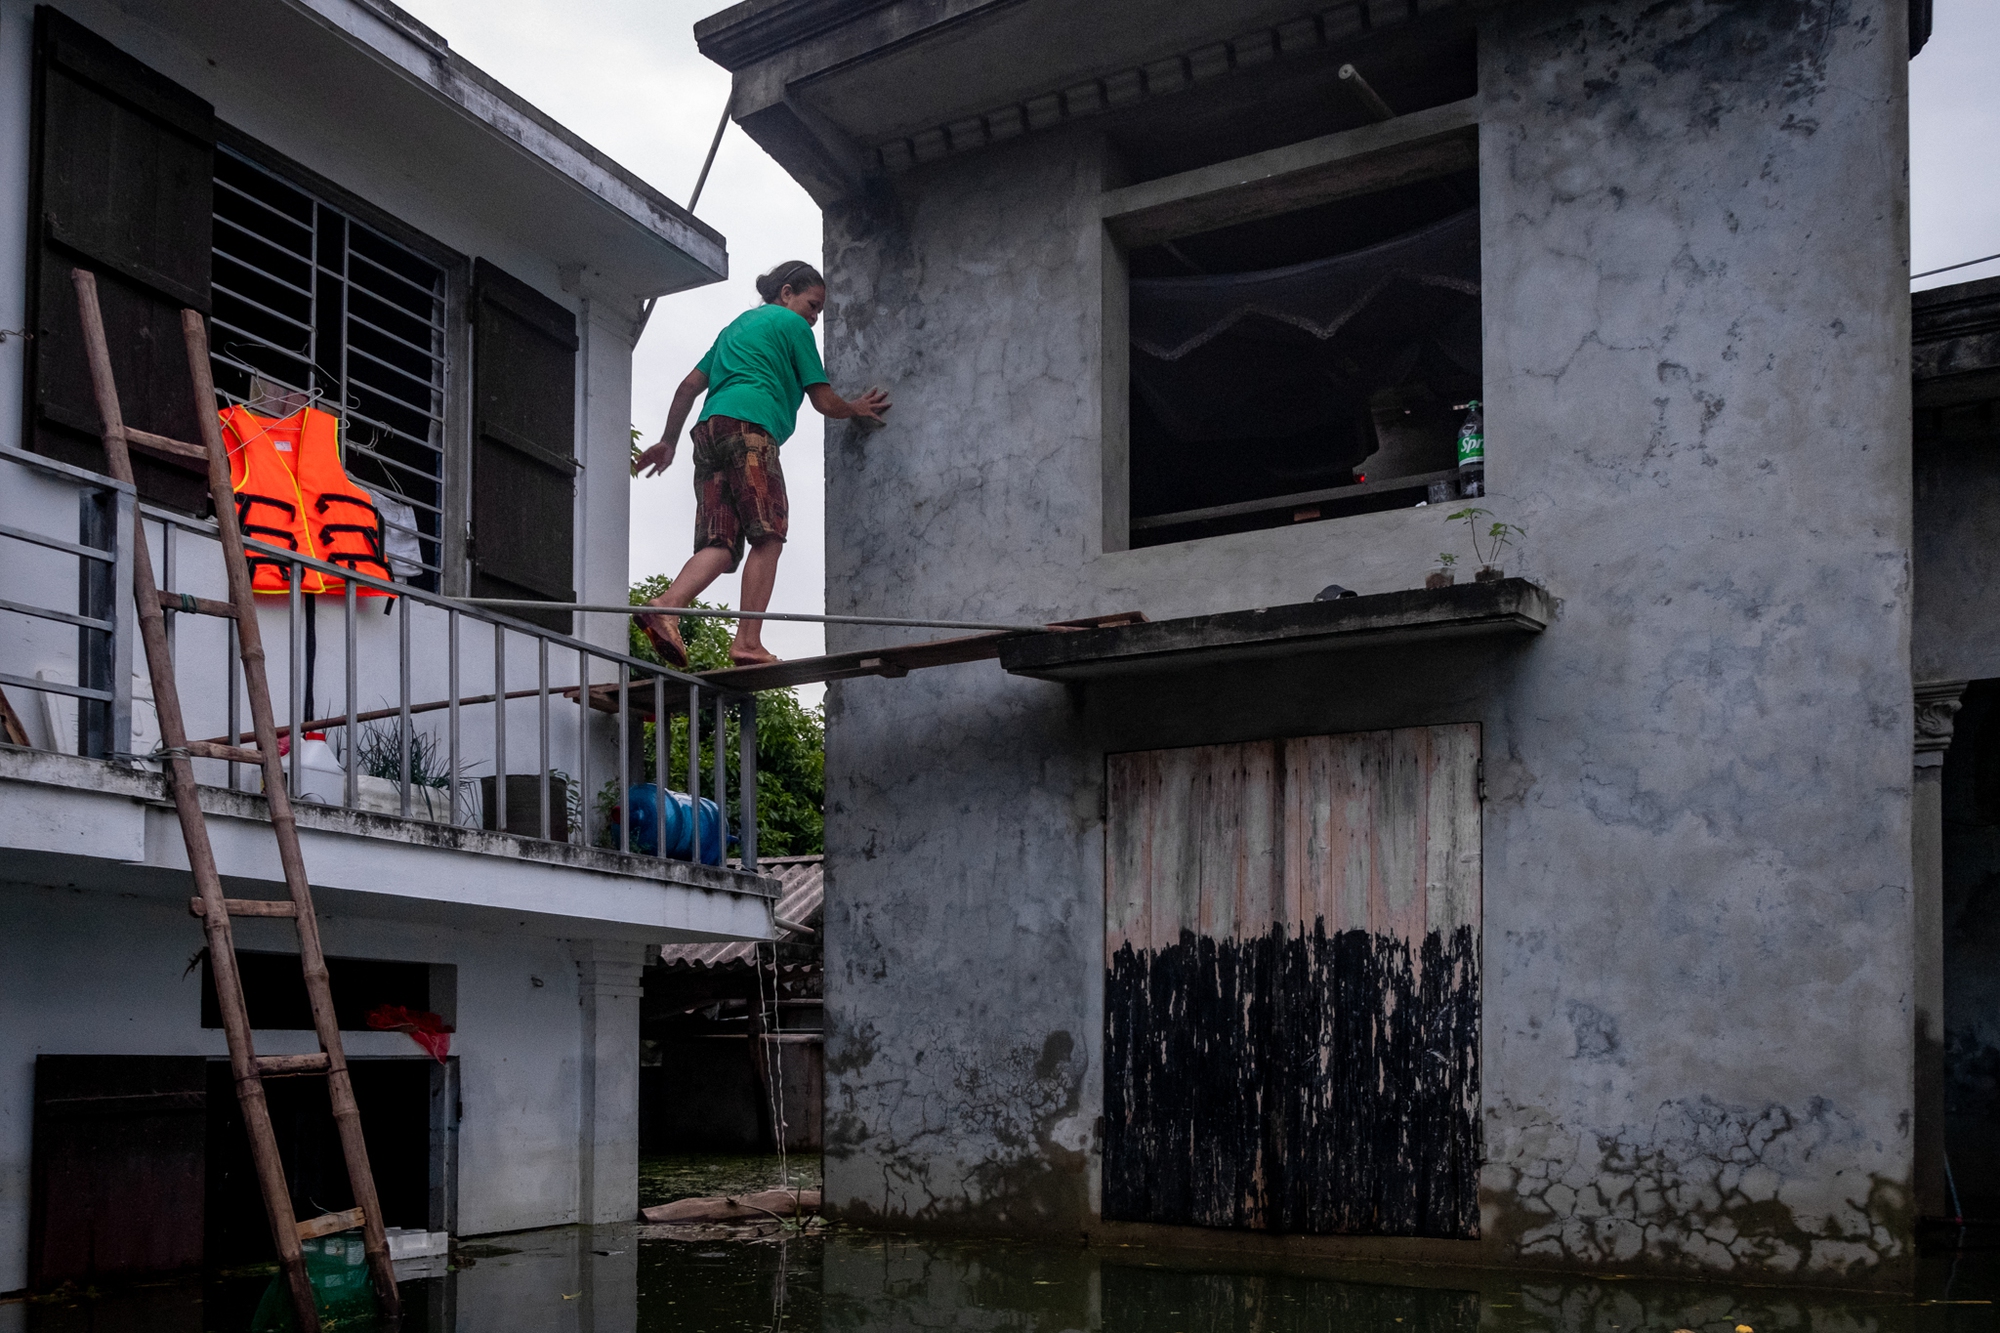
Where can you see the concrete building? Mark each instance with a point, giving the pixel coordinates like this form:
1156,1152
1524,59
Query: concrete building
375,226
1582,918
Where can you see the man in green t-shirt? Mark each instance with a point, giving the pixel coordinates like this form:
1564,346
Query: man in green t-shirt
758,371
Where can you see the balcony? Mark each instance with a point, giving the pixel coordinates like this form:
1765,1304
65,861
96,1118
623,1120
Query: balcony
410,706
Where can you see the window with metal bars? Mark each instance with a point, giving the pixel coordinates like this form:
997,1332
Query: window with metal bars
312,305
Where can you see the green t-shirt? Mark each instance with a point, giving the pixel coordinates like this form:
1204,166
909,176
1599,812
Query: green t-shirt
760,367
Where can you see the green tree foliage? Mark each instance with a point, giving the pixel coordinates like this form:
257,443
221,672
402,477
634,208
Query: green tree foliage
791,739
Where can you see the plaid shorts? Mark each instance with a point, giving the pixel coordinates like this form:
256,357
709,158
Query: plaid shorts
739,489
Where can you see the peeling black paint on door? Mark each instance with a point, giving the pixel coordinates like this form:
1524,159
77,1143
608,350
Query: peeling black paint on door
1292,986
1314,1084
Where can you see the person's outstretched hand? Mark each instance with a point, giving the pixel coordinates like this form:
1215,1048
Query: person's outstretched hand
872,405
655,460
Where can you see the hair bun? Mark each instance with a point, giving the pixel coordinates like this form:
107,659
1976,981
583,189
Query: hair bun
796,274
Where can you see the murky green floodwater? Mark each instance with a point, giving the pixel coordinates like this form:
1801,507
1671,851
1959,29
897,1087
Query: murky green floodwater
613,1280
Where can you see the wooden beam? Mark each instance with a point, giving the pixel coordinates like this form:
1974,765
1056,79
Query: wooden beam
893,662
1293,501
162,444
328,1224
233,754
282,1066
1419,146
249,907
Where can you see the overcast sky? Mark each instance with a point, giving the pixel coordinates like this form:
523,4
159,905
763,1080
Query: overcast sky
625,75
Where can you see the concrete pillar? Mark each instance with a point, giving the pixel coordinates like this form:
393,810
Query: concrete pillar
1938,703
608,992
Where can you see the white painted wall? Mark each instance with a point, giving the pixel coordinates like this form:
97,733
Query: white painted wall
254,101
104,970
97,973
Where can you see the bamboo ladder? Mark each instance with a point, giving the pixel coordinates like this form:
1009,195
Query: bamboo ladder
249,1069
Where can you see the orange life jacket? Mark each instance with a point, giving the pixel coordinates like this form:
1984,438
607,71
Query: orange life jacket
291,492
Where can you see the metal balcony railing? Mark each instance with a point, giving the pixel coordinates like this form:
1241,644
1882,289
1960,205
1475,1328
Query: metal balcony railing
103,617
503,689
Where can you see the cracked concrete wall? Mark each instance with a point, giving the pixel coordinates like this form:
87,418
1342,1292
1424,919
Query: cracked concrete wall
1698,919
1697,1035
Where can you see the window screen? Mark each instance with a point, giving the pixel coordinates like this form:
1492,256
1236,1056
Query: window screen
312,304
1305,366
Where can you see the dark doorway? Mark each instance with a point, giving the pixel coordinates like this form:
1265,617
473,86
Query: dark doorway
1972,952
140,1164
400,1100
116,1187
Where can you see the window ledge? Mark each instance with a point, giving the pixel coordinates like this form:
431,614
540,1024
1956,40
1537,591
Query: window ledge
1504,607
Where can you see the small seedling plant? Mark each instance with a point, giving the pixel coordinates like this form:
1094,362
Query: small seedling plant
1487,545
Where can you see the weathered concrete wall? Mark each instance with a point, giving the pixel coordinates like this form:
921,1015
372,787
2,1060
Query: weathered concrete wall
1697,335
1697,950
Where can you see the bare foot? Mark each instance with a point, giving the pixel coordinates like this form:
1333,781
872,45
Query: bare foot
663,632
747,657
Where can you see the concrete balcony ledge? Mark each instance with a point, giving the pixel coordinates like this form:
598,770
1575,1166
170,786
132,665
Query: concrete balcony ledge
89,824
1504,607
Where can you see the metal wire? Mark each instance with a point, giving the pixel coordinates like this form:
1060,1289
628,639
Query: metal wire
1931,272
726,614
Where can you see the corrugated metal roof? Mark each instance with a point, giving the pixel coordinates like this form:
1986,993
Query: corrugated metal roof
801,900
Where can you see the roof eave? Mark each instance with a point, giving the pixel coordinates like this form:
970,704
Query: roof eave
417,53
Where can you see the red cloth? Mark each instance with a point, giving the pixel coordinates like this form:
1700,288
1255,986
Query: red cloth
427,1030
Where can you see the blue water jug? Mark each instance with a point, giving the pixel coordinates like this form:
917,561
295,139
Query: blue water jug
677,822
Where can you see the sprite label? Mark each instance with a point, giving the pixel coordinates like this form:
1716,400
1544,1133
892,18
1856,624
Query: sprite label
1472,438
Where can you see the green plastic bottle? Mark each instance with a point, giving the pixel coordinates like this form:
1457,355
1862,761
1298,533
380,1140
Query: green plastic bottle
1472,453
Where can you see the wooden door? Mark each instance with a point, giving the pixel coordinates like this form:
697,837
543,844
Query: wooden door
121,183
117,1163
1292,984
523,512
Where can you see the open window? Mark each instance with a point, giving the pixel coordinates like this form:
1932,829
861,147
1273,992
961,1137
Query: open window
1304,366
315,305
1293,321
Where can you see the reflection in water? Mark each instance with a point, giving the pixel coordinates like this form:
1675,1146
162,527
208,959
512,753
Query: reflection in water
614,1280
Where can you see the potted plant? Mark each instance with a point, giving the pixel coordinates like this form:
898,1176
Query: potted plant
1487,546
1443,576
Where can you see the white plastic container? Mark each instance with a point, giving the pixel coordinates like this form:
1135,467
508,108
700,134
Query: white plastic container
322,779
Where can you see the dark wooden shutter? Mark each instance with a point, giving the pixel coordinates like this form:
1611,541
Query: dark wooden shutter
1292,985
118,1166
523,445
122,184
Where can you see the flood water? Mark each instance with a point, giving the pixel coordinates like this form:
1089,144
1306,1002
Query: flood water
621,1279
